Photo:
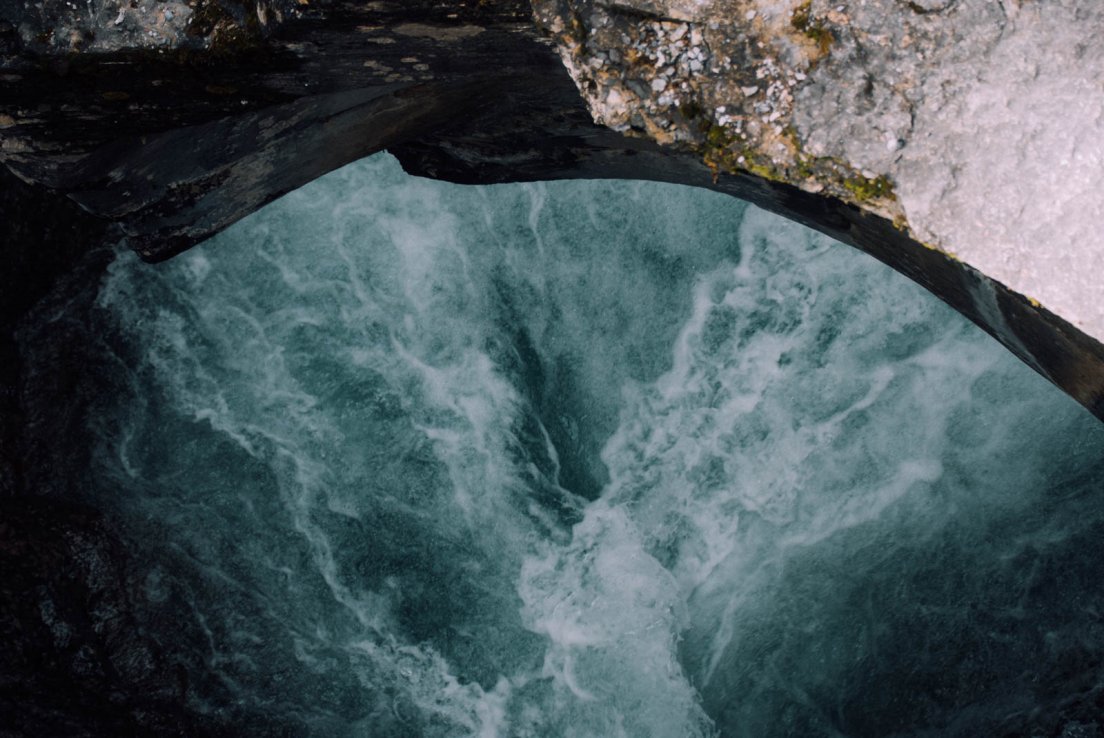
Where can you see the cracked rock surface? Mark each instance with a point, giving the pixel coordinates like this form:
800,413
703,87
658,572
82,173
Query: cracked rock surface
977,125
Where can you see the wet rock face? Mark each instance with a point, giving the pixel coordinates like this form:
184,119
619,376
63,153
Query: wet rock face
83,650
74,661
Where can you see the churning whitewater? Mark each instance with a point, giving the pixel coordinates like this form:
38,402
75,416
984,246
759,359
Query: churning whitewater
583,459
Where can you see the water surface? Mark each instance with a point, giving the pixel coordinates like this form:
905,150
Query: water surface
584,459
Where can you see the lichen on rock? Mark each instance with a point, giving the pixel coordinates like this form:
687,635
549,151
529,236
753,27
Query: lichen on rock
720,78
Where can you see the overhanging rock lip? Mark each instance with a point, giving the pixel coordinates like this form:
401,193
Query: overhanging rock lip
1046,342
529,122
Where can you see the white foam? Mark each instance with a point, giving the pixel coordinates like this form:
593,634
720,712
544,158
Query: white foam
612,615
763,400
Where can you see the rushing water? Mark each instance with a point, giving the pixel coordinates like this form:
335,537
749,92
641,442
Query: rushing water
583,459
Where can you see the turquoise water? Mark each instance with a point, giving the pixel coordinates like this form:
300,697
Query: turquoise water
584,459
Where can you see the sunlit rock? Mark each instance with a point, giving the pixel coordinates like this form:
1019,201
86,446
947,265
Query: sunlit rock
975,125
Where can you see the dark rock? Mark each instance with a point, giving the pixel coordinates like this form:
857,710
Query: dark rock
73,659
44,236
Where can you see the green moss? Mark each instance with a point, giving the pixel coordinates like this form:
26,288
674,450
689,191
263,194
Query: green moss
722,152
865,189
763,170
691,110
717,137
804,168
727,158
813,28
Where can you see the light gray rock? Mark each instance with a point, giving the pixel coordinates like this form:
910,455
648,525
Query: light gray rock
977,125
